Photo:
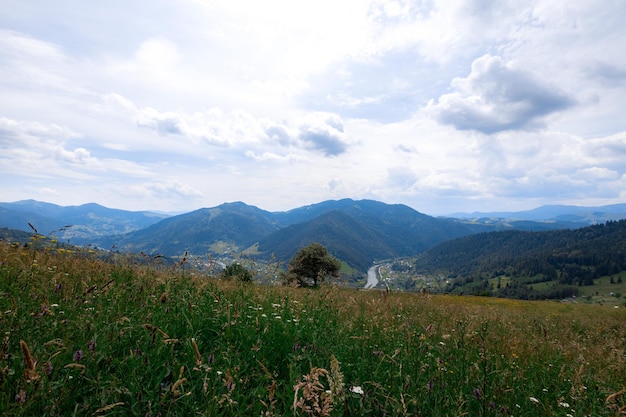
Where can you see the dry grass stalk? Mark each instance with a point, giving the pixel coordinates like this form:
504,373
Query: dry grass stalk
196,352
612,402
155,329
175,391
76,366
336,380
315,399
30,372
107,408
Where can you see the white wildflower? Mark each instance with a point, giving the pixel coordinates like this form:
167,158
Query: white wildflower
357,390
533,399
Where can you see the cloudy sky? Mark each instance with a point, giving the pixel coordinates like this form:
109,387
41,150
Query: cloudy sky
442,105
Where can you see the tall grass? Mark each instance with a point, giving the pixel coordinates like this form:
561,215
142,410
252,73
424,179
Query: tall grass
87,337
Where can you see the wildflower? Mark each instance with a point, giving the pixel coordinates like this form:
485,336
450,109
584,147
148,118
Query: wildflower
534,400
20,397
477,393
49,368
45,310
78,355
92,345
277,317
563,404
356,390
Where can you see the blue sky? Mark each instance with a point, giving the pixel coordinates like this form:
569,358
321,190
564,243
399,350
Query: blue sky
442,105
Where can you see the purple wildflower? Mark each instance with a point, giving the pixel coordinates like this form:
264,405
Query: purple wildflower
20,397
49,368
78,355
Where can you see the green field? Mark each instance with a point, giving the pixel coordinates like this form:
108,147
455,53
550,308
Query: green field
87,337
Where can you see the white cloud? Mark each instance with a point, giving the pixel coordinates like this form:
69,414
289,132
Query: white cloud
497,97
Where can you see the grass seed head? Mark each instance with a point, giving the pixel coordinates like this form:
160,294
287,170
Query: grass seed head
30,372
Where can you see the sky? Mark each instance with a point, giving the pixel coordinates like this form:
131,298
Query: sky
443,105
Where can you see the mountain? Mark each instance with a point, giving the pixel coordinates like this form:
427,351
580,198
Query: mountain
575,215
230,227
362,231
87,221
345,237
356,232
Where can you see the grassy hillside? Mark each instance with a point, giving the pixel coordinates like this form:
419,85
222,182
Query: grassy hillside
85,337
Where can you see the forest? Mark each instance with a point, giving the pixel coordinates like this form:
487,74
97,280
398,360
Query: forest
568,259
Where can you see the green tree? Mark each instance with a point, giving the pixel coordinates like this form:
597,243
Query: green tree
238,272
312,264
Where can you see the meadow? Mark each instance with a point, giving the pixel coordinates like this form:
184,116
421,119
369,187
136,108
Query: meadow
81,336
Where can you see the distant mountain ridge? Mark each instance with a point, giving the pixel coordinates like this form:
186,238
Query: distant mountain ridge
356,231
574,214
87,221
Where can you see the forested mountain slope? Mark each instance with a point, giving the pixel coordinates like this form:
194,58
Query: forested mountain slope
567,257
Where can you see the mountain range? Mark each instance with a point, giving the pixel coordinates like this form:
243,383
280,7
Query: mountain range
355,231
574,214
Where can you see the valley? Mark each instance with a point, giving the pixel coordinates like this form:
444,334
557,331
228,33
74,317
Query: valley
552,252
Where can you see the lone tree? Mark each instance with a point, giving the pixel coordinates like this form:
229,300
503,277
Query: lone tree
238,272
312,264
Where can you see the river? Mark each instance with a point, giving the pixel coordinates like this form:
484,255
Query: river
372,277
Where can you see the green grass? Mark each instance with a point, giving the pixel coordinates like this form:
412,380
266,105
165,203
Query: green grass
121,339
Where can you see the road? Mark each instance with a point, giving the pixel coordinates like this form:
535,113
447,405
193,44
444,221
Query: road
372,277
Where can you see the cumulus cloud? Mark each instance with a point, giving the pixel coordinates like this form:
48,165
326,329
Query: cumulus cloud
164,123
319,131
324,132
497,97
76,156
